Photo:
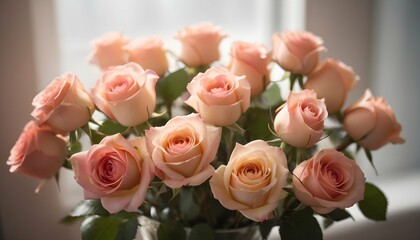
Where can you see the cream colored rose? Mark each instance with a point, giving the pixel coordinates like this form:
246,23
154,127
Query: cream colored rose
300,121
219,96
117,170
252,61
253,180
183,149
200,44
64,104
108,50
126,94
297,52
149,53
332,80
372,123
38,152
328,180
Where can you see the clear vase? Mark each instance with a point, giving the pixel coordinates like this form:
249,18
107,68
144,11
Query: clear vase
148,231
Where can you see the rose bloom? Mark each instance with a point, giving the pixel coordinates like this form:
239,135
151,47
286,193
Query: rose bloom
219,96
379,124
328,180
183,149
252,61
149,53
332,74
200,44
297,52
118,171
300,121
64,104
108,50
126,94
253,180
38,152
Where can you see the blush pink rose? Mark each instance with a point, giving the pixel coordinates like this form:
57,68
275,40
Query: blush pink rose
200,44
371,122
332,80
38,152
300,121
108,50
149,53
64,104
183,149
328,180
126,94
253,180
297,52
252,61
118,171
219,96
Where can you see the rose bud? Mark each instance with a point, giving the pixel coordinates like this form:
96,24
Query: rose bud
297,52
252,61
64,104
108,50
371,122
332,74
300,121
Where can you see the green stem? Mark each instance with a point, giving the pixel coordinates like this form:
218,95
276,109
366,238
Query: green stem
346,142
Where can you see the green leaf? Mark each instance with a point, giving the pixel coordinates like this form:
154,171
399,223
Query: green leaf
117,226
67,164
375,205
369,156
300,225
110,127
85,208
202,231
265,228
272,96
75,147
189,209
338,214
171,230
173,85
257,120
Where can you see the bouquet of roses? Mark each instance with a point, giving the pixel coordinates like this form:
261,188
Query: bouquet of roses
183,146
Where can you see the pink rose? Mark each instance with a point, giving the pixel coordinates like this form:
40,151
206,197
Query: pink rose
183,149
38,152
219,96
126,94
108,50
200,44
64,104
372,123
300,121
118,171
332,80
252,61
297,52
149,53
253,180
328,180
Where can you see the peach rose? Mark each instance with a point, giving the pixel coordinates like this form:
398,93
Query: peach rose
253,180
38,152
118,171
300,121
328,180
149,53
252,61
332,80
108,50
379,124
64,104
183,149
126,94
297,52
200,44
219,96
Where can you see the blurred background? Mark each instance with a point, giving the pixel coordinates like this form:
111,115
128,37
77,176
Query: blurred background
41,39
